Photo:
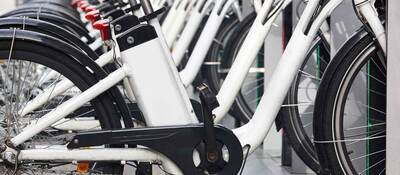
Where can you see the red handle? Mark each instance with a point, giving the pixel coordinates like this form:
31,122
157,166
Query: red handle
93,16
83,5
75,3
104,27
90,8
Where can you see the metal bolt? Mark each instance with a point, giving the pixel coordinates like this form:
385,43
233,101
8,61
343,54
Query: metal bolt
9,143
3,147
212,157
130,40
9,156
118,27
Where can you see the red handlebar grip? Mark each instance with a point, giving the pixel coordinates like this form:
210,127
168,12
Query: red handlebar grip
83,5
74,3
93,16
90,8
104,27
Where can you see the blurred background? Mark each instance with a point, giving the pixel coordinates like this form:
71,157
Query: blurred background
7,5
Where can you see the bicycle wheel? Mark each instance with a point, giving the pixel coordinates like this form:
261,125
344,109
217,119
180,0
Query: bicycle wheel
350,112
298,108
22,68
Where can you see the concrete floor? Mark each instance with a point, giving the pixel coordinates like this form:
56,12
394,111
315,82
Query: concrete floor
261,162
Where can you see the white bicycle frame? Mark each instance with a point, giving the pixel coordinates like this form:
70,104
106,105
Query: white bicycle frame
226,95
184,9
206,38
169,106
168,21
173,23
194,21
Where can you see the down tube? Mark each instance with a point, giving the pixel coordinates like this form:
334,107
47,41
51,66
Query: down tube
179,23
69,106
245,57
205,40
254,132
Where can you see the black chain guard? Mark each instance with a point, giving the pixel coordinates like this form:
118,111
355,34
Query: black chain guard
175,142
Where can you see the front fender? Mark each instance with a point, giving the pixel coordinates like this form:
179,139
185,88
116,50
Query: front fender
48,29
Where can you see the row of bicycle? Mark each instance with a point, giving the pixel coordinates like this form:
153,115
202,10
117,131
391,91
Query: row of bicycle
93,86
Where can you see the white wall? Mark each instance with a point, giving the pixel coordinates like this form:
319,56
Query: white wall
7,5
393,84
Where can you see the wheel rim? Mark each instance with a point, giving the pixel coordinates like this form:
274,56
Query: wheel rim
359,122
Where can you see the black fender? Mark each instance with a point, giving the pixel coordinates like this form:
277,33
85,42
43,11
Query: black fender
75,28
48,29
50,7
44,11
76,55
57,3
66,2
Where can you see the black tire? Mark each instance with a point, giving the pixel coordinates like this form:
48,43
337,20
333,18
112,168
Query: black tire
75,72
298,125
50,29
76,29
338,146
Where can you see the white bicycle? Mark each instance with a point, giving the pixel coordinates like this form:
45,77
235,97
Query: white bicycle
221,151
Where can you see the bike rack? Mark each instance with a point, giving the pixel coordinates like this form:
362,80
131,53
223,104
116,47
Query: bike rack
393,84
289,158
287,22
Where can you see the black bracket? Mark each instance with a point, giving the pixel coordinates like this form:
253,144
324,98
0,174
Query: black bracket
124,23
138,34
